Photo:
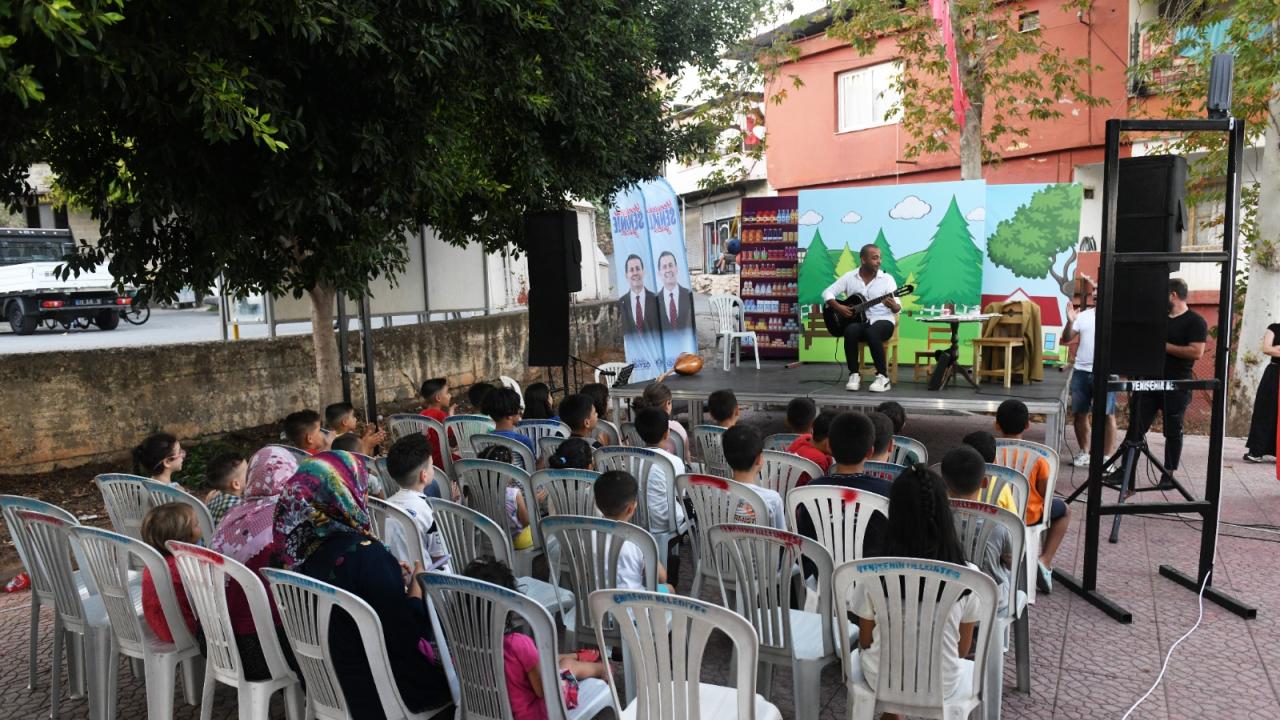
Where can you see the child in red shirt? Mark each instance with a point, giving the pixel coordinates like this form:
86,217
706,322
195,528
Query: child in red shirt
815,445
440,405
171,521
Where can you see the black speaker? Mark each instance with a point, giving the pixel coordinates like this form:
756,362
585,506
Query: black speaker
1150,204
1139,321
551,243
555,259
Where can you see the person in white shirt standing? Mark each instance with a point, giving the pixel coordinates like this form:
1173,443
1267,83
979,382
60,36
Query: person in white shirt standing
870,282
409,464
1083,324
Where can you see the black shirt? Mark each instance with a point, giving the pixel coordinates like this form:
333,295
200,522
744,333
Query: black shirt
1275,340
1185,329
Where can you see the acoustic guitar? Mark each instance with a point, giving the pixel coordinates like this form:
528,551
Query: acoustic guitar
859,305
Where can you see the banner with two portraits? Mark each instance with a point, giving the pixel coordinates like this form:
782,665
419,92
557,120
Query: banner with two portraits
655,299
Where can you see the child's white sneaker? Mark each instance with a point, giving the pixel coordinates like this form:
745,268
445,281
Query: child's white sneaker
880,384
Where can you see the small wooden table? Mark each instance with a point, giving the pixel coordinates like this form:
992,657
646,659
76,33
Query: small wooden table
949,359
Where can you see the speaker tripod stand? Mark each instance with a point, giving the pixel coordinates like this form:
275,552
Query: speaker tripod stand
1124,463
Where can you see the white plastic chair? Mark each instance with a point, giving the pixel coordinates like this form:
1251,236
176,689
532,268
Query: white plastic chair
78,611
469,534
780,441
398,532
462,427
160,494
126,500
709,439
839,515
638,462
909,677
402,424
667,635
631,436
589,549
998,477
1022,455
782,471
473,615
569,492
108,557
715,501
539,429
800,640
547,446
520,454
42,592
883,470
728,313
903,446
510,382
608,372
975,524
306,607
205,575
484,483
611,431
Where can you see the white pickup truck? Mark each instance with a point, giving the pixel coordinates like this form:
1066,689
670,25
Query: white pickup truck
31,292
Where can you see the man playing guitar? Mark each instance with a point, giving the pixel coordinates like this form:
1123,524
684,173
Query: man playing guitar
870,282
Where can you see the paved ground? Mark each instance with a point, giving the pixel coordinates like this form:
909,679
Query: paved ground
1084,664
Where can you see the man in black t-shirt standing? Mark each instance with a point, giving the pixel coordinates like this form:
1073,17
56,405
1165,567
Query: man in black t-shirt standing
1183,346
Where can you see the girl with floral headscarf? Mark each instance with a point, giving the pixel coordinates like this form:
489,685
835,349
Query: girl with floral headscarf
323,530
246,535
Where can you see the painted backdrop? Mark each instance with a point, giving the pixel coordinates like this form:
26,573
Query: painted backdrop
964,243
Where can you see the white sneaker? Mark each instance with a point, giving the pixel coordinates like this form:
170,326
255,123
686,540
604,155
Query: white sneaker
855,381
1081,460
880,384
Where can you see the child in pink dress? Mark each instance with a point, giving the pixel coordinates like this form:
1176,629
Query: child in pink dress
520,655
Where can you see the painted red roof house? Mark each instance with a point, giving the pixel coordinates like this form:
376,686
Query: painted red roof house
1050,305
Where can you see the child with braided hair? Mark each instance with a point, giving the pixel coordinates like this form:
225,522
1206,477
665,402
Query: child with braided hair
921,526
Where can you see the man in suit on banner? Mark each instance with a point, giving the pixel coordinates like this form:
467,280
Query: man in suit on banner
675,301
638,306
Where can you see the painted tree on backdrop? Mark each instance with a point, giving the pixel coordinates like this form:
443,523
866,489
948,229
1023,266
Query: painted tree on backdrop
1011,75
951,271
289,147
816,271
1186,36
849,261
888,262
1029,242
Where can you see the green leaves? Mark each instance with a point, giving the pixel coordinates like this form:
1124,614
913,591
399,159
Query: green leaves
1012,78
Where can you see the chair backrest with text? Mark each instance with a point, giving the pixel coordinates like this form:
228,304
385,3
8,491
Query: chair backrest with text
667,637
912,601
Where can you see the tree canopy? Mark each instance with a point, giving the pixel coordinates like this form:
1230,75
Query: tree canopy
1029,242
816,271
292,144
1011,74
951,271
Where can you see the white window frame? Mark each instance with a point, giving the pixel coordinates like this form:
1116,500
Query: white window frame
881,100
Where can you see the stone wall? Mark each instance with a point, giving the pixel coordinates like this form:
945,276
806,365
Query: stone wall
69,408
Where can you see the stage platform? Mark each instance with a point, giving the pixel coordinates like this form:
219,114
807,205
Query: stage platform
774,384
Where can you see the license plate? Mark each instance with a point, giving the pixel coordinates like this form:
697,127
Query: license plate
86,302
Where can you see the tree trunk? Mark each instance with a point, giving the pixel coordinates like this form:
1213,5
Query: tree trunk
325,343
1262,300
971,81
1065,281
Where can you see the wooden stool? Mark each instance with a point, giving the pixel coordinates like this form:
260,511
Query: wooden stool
1007,335
939,336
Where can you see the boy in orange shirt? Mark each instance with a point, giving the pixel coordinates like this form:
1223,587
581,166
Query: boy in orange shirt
1012,420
